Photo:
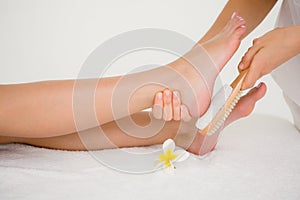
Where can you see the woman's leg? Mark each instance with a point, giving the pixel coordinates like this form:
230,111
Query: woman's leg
113,136
47,109
109,135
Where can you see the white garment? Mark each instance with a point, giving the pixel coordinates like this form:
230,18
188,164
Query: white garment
287,75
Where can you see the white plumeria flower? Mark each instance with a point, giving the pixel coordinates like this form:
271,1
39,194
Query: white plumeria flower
169,156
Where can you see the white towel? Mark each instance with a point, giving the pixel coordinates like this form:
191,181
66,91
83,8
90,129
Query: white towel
256,158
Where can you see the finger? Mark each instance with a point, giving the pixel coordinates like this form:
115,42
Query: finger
167,107
247,103
157,108
185,115
254,72
248,57
176,106
250,79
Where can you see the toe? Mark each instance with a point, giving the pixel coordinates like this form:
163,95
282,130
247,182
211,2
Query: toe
246,104
239,32
238,22
235,26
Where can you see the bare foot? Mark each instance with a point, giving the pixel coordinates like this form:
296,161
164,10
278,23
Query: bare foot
200,66
168,107
204,144
227,41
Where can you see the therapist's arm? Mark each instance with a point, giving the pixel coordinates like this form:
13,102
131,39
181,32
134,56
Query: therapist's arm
253,11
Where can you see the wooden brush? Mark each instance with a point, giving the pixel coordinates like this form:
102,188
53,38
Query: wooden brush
231,100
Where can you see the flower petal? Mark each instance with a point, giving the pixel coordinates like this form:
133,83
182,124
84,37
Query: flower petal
182,155
168,144
169,170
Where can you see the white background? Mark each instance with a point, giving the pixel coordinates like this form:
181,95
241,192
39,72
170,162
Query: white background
50,39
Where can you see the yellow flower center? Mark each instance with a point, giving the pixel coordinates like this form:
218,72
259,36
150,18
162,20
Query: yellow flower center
167,157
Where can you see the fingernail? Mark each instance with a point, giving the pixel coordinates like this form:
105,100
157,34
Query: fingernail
233,15
241,66
167,92
175,94
159,95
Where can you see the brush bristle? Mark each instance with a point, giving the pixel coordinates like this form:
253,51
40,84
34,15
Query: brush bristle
221,121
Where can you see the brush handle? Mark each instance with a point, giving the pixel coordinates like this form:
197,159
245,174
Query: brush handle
240,79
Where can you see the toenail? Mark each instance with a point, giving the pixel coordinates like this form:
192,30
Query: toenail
233,15
259,85
243,26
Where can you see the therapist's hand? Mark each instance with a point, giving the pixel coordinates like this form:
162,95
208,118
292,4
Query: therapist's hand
167,105
270,51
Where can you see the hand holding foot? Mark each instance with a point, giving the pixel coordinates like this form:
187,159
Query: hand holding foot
167,105
204,144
